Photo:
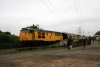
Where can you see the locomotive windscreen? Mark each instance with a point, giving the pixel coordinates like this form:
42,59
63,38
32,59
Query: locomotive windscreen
24,29
27,30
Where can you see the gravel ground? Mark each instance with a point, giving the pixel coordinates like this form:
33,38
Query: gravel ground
76,57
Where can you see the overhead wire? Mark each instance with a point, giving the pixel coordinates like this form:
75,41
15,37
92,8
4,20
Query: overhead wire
76,11
80,14
71,10
54,12
58,12
79,18
63,8
66,13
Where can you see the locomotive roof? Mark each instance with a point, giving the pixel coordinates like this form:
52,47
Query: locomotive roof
40,30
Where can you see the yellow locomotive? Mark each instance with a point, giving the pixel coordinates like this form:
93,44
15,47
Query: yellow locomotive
38,37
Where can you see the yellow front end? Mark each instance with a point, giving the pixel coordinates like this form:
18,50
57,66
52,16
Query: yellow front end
25,36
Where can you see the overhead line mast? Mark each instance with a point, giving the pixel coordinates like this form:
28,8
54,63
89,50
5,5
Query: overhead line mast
79,30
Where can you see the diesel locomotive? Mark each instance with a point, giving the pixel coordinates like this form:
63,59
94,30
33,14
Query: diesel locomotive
39,37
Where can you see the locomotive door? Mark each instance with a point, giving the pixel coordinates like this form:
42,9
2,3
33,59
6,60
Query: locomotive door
33,36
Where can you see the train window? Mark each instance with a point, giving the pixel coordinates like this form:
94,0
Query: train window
51,33
31,31
50,36
46,33
39,33
39,36
43,36
43,33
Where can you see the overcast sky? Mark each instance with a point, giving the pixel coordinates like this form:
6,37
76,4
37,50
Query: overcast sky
54,15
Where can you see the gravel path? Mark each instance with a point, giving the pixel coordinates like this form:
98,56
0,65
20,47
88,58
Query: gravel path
75,50
86,57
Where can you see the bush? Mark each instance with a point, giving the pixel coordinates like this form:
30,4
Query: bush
78,43
9,45
8,41
6,45
71,40
4,38
81,41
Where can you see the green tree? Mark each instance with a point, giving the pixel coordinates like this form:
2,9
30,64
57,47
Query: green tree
97,33
8,33
9,41
4,38
0,31
34,26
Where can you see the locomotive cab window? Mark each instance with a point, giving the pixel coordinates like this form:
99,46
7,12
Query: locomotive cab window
43,33
39,36
31,31
43,36
23,30
46,33
51,33
39,33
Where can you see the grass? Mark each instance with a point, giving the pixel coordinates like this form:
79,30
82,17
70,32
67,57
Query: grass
98,42
34,50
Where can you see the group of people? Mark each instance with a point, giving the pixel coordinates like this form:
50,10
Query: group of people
88,40
84,42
